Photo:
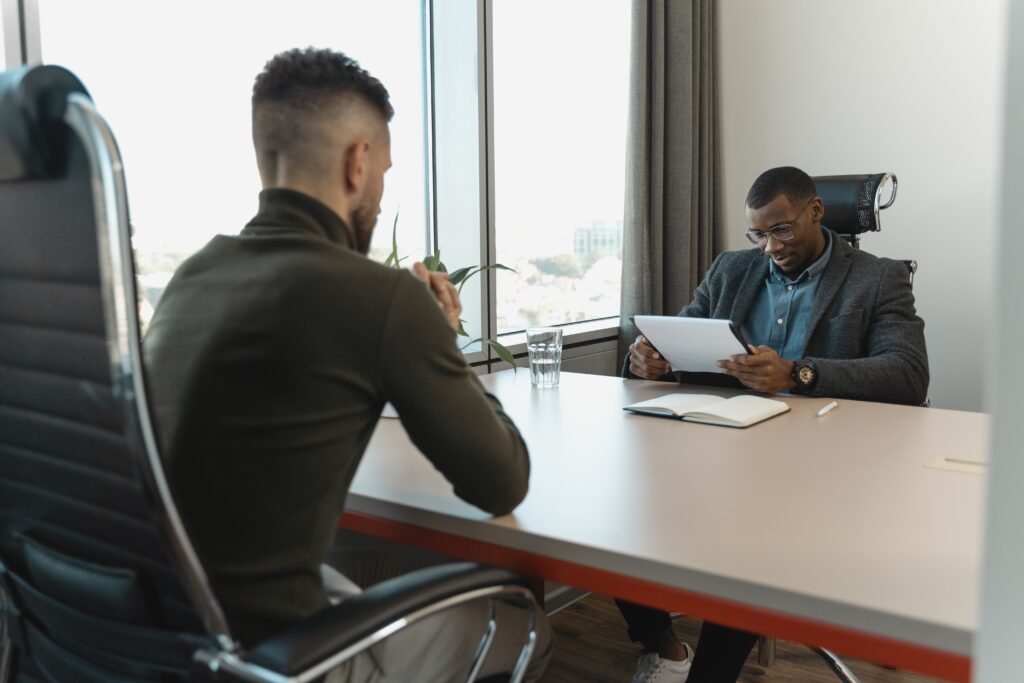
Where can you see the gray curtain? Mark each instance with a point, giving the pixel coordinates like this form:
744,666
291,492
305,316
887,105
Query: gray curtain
672,218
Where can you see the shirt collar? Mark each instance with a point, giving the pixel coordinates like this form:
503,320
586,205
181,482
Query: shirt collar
812,271
282,209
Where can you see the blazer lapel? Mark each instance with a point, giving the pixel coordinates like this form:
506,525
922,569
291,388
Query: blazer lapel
750,285
831,280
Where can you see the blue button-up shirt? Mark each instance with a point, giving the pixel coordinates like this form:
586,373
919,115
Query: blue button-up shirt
781,315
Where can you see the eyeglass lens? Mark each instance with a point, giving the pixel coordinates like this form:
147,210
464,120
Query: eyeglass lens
780,233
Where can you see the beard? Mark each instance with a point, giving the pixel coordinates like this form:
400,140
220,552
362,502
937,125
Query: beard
363,221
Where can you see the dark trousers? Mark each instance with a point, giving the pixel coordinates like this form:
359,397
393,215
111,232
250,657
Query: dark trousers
721,651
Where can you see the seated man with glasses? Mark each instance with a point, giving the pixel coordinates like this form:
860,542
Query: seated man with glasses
823,319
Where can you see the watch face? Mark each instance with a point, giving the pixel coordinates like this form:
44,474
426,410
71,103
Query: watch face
806,375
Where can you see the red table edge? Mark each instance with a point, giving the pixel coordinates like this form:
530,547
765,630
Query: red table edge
869,647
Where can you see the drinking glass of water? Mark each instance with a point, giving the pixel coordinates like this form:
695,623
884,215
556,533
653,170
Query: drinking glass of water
545,347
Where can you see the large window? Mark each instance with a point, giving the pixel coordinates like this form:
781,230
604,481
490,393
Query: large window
508,140
10,45
560,83
174,81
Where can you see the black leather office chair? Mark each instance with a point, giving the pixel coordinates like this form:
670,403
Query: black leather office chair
99,582
853,205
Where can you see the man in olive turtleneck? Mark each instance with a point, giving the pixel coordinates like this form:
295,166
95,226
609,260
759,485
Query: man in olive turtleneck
272,353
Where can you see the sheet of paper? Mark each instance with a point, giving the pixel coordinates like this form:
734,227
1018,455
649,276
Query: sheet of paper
690,344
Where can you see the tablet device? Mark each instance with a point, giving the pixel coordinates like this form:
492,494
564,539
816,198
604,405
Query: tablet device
692,344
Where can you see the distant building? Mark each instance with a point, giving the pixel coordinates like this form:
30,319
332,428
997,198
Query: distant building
598,238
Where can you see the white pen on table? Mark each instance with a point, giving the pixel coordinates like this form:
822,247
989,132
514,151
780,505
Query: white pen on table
826,409
965,461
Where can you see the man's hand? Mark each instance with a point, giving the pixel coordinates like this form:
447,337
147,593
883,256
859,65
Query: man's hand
763,371
644,361
444,291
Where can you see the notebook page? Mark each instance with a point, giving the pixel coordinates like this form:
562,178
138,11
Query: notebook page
743,409
677,403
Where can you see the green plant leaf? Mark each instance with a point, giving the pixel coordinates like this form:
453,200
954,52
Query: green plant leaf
457,276
392,261
470,343
473,270
466,273
433,262
503,353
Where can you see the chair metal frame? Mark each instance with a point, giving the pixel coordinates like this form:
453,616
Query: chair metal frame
5,644
854,237
242,670
117,277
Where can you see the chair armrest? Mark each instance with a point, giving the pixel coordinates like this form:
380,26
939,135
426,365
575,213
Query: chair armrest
336,628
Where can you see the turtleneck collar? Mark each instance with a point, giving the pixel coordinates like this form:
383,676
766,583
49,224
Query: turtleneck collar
284,208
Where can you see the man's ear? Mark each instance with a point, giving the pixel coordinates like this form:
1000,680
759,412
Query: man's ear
818,210
355,166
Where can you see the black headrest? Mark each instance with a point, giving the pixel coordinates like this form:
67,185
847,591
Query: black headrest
32,104
852,202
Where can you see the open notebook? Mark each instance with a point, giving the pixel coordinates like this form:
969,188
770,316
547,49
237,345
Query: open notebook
738,411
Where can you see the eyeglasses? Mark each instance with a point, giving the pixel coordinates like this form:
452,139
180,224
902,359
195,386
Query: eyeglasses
783,232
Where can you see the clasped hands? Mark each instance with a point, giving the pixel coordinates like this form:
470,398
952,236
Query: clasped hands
443,290
762,370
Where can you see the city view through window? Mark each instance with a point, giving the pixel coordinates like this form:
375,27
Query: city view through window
184,133
559,158
569,283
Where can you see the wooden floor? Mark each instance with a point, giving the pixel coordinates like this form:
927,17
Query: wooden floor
591,647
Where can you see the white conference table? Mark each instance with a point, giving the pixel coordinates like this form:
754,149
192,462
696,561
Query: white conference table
823,530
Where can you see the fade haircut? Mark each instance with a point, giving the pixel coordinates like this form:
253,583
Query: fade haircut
296,88
787,180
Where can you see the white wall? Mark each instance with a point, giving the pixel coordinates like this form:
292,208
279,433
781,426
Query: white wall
910,86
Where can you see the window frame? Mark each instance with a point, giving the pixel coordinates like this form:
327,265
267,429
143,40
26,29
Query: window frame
587,332
460,153
21,32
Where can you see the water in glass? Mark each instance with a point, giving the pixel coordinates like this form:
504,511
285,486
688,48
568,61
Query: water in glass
545,348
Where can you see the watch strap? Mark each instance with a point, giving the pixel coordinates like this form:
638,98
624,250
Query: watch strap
804,375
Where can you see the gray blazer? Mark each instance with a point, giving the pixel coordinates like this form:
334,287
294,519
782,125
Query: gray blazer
866,339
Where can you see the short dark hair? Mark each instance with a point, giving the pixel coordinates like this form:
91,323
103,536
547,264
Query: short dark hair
305,78
787,180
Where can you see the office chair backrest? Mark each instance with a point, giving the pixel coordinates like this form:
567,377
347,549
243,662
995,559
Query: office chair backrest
853,203
101,581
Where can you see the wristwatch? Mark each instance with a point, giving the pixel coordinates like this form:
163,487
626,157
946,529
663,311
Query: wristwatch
804,375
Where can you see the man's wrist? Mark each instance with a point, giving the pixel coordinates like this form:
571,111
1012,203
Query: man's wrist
790,383
804,375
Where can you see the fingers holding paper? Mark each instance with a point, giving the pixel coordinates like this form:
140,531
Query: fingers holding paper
644,360
443,290
762,370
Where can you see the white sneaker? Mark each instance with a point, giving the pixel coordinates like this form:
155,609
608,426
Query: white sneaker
651,668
